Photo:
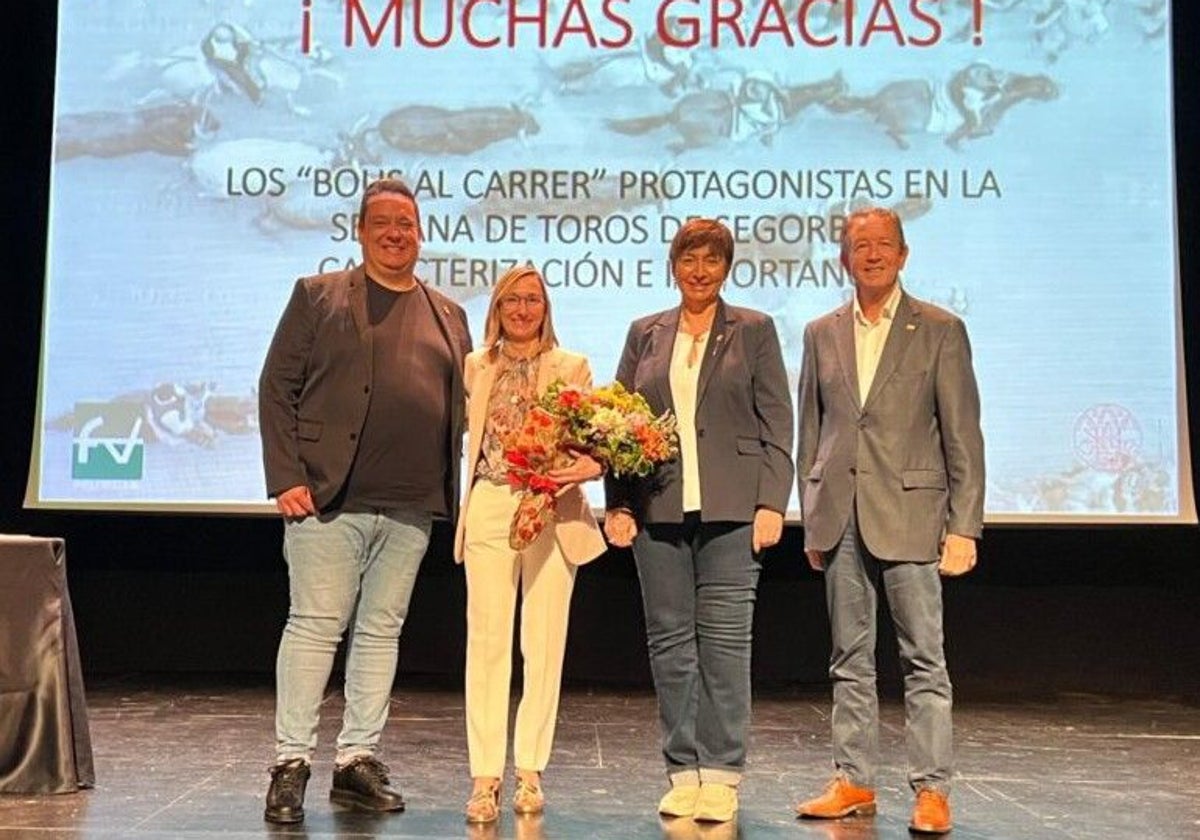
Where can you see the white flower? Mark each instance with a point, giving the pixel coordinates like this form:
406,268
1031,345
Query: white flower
606,420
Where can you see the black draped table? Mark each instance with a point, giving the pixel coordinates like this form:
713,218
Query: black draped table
45,745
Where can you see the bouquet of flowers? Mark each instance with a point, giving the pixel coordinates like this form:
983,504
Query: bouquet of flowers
614,426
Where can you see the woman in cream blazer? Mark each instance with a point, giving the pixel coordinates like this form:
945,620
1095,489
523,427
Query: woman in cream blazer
519,359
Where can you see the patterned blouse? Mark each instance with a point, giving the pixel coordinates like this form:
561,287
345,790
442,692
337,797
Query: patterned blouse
514,390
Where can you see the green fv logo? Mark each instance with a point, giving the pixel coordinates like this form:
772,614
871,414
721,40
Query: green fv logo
108,443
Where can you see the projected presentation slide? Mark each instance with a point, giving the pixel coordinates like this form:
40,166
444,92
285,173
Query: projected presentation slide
208,153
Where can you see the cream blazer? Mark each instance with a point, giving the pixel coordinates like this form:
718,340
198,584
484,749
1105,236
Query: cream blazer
576,531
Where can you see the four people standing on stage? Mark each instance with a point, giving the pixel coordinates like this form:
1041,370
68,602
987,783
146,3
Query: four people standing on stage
519,359
363,400
890,467
699,523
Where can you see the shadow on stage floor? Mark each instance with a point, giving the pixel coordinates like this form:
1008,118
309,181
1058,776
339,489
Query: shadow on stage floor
187,758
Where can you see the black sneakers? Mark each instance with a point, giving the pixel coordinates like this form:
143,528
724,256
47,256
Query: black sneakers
364,784
285,797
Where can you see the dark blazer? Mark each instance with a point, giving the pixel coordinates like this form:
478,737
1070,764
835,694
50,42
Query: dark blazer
743,418
315,384
911,457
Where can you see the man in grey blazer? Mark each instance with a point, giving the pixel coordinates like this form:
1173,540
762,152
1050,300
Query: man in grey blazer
361,405
891,475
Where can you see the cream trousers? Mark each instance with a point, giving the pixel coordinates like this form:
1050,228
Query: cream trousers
494,572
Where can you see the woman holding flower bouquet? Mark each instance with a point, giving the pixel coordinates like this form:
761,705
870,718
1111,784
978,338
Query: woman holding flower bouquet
698,523
519,360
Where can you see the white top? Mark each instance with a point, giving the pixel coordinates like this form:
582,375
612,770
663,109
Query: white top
869,340
684,379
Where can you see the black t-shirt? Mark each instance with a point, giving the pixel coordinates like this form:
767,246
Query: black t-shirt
403,449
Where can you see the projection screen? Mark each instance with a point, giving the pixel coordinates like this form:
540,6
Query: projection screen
207,153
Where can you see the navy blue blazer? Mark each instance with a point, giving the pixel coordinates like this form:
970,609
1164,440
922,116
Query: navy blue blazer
743,421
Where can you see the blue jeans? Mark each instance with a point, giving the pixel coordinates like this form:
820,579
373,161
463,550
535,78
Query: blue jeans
698,589
341,565
853,577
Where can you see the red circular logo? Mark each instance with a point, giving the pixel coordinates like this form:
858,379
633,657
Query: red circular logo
1107,437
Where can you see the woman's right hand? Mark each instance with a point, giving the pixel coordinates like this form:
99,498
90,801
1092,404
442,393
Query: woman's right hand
582,468
620,528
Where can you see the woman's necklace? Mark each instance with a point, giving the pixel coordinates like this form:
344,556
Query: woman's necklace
699,335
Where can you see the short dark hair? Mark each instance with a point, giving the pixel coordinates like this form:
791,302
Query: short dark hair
380,186
696,233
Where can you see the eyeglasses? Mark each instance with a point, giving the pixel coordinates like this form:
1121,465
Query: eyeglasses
511,302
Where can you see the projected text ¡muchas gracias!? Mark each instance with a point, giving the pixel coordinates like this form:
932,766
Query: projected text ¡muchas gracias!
605,24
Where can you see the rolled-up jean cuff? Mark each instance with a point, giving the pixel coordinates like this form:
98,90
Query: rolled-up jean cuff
350,755
284,758
690,776
717,776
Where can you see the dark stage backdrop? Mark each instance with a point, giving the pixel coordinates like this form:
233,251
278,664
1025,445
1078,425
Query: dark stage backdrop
1049,609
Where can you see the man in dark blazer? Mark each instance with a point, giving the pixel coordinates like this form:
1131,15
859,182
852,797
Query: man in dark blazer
891,474
361,406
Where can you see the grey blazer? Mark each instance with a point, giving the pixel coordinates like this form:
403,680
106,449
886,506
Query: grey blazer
315,384
911,457
744,421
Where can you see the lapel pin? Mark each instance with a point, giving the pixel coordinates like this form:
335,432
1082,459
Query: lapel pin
910,327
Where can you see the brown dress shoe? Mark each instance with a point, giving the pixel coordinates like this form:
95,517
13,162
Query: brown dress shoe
931,813
840,799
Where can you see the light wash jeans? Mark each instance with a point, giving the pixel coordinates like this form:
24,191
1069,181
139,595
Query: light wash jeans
699,582
341,565
853,578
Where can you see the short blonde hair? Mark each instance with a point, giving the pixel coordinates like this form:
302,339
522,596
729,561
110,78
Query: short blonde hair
493,330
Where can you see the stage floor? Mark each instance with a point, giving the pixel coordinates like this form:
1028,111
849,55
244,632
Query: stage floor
188,760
